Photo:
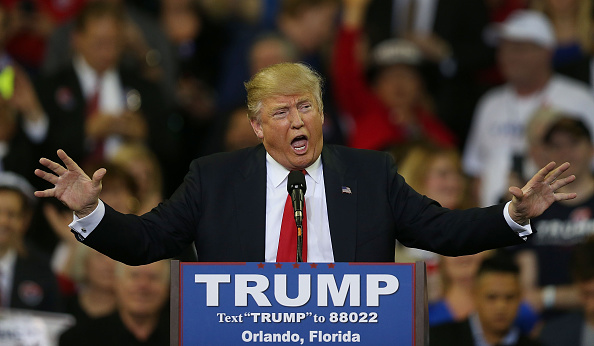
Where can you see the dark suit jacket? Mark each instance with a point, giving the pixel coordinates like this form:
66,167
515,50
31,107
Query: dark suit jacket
222,205
34,286
564,330
460,334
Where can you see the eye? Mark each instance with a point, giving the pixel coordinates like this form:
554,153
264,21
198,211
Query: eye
305,106
280,113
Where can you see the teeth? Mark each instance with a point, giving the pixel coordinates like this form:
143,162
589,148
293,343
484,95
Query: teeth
300,148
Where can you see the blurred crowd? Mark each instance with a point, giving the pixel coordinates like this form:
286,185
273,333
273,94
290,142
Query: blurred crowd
470,97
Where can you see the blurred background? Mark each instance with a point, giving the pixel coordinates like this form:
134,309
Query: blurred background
469,96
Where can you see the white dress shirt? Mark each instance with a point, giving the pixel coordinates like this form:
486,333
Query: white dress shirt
319,243
112,99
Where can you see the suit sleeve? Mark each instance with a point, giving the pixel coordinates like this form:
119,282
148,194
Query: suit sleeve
422,223
161,233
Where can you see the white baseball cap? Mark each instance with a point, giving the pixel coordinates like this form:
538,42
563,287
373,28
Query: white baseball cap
19,183
527,25
396,51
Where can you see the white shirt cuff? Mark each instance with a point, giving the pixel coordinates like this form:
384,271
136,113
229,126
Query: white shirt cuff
36,130
83,227
523,231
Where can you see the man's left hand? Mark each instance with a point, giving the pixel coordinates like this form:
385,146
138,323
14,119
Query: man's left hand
539,193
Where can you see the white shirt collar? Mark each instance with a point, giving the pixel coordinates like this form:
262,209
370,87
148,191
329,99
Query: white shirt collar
88,76
7,261
277,173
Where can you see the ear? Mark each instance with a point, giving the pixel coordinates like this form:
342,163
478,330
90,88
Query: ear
257,127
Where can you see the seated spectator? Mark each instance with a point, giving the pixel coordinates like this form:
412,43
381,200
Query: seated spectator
119,189
460,277
576,328
391,108
95,104
498,131
546,257
496,296
140,319
436,173
94,274
145,47
454,40
142,165
27,281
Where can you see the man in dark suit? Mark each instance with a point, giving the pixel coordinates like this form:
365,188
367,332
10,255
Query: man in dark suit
497,297
26,282
231,204
94,103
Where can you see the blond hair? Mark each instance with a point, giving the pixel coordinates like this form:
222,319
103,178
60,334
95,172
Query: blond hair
282,79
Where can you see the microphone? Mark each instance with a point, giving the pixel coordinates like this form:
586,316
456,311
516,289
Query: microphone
296,188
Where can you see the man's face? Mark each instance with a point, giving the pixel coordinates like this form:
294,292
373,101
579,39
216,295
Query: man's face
399,86
564,146
521,62
13,220
142,290
586,289
497,298
291,129
100,43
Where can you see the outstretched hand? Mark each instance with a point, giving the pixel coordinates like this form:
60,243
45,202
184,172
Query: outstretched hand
71,185
539,193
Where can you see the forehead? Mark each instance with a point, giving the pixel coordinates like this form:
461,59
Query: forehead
286,100
11,197
497,281
523,45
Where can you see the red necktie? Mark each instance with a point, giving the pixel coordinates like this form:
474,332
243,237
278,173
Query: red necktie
287,243
96,155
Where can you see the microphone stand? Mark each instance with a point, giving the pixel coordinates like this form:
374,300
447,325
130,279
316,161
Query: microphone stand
299,242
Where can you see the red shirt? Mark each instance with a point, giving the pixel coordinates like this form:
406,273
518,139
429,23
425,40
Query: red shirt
373,128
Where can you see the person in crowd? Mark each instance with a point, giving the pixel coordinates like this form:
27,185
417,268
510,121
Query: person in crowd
496,295
31,24
95,104
140,318
497,136
144,167
577,327
368,205
436,173
573,25
26,280
309,27
145,48
21,114
94,274
459,278
392,107
238,133
121,190
453,39
545,259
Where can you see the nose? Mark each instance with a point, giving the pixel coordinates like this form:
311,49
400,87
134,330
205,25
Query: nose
295,118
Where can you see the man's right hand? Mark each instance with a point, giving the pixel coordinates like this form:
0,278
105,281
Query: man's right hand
71,185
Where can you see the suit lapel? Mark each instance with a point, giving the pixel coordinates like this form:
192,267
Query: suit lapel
341,201
250,203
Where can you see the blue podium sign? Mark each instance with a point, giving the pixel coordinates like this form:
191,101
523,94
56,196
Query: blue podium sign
295,303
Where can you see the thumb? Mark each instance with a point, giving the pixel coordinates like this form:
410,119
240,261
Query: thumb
516,192
98,175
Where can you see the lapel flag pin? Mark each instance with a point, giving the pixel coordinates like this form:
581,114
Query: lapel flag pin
346,189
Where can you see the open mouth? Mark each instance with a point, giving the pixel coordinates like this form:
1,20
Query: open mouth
299,144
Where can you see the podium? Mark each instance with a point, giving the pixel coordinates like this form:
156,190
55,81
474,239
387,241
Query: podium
298,303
